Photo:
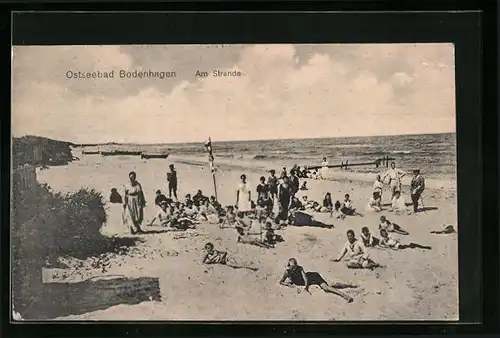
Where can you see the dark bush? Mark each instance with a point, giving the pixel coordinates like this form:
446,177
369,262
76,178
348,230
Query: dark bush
46,226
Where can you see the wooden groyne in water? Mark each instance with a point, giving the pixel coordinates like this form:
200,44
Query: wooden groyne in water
383,161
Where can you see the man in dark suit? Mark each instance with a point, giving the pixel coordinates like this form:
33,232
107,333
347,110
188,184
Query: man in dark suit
417,188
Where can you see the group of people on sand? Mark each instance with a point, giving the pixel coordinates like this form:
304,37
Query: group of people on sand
398,203
247,212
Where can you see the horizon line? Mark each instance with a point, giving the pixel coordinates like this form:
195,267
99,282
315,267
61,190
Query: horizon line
228,141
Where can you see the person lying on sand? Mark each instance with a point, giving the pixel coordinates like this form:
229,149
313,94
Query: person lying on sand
388,242
375,203
213,256
115,197
337,211
246,238
357,256
304,185
229,218
398,204
390,227
295,275
347,207
368,240
301,218
447,230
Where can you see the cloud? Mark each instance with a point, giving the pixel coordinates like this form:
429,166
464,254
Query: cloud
287,91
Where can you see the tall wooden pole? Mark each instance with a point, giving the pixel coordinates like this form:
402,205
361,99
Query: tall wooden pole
208,146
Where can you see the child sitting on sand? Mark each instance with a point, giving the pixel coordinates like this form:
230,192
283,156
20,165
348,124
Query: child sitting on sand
368,239
242,221
161,198
304,186
295,205
217,206
229,218
295,275
357,256
191,210
245,237
262,208
347,208
164,215
213,256
198,199
391,243
390,227
270,237
327,203
337,211
308,204
375,203
115,197
208,213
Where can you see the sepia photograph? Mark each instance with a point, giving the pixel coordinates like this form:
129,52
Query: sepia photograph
234,182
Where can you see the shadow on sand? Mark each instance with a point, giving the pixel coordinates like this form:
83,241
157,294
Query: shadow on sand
410,205
427,209
99,245
64,299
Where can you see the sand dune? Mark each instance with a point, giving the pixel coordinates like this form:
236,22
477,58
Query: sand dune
416,285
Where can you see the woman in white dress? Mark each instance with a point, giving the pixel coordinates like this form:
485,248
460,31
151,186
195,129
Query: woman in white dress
244,195
134,203
324,168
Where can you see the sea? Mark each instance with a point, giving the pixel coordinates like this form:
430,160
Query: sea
434,154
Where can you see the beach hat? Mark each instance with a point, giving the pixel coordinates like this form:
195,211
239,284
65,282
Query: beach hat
416,169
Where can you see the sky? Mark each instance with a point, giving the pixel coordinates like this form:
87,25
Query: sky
286,91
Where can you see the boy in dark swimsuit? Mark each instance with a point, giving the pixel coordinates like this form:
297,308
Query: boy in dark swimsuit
161,198
272,183
270,237
368,239
296,276
213,256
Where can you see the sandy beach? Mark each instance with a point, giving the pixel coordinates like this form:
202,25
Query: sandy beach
415,285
